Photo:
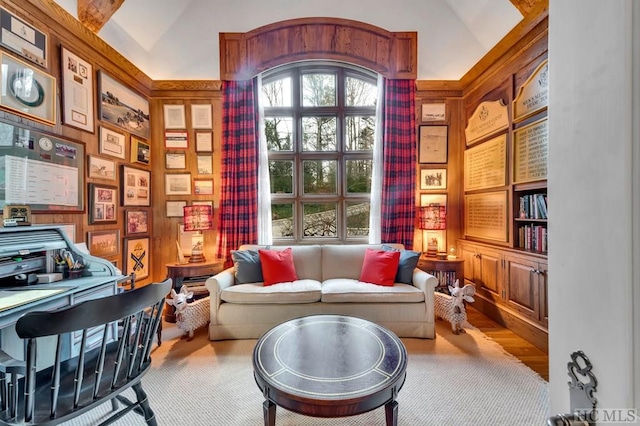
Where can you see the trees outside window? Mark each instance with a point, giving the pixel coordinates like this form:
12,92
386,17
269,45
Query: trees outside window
320,125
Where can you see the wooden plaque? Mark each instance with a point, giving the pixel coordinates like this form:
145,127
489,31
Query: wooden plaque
530,151
533,95
485,165
488,119
486,216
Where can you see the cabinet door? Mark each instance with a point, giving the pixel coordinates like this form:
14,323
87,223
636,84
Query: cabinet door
543,278
522,291
472,267
490,281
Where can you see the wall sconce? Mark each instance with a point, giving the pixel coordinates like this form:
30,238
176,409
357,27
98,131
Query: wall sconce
432,218
197,218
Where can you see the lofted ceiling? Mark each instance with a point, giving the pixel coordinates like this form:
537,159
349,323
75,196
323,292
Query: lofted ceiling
178,39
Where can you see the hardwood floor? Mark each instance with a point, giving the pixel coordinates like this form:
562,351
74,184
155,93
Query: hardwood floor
531,356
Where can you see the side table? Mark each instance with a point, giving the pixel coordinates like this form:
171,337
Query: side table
447,271
179,271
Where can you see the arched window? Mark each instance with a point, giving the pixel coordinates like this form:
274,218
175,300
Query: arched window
320,124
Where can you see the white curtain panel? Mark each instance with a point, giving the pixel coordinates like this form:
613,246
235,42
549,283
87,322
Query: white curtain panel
375,232
264,184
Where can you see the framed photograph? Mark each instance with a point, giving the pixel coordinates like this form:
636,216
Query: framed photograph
23,39
176,140
204,142
27,91
433,112
205,164
135,186
137,257
433,142
101,168
104,243
174,208
123,107
203,186
185,239
103,202
433,200
201,116
436,239
174,117
177,184
140,151
112,143
175,160
77,92
433,178
137,222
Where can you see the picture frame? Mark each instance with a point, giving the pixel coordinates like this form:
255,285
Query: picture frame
136,221
201,116
103,204
175,160
433,112
101,168
77,92
174,116
204,142
205,164
176,140
23,39
112,143
140,151
174,208
177,184
433,179
104,243
203,203
433,200
137,257
433,144
135,186
123,107
438,238
185,239
16,77
203,186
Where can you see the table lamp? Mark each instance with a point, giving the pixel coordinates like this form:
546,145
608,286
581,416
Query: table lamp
197,218
432,218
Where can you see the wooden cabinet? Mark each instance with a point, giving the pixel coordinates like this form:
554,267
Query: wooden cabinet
483,268
527,289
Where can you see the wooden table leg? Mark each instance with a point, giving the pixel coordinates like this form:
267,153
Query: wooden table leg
391,412
269,409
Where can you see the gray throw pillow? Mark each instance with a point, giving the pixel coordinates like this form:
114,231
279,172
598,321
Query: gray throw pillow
247,267
408,262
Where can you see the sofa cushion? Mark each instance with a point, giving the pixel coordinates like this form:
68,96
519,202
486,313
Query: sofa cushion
246,266
300,291
406,265
380,267
342,290
277,266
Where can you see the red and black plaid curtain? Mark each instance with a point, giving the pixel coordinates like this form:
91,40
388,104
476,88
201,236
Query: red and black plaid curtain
398,182
238,218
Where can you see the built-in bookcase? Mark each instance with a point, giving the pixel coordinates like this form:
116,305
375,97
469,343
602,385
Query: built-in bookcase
530,218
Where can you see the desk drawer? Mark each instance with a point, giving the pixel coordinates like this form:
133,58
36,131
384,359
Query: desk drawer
10,268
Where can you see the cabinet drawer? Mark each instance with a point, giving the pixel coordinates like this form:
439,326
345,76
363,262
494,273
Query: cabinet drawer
23,266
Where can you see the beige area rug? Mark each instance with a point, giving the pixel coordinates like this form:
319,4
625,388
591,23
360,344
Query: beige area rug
466,379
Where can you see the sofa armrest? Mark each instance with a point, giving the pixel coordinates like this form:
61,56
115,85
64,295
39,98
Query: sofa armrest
427,283
215,285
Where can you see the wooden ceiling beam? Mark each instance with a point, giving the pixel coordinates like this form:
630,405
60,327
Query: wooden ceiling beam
525,6
95,13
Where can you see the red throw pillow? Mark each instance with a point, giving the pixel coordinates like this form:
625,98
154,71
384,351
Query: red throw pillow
277,266
380,267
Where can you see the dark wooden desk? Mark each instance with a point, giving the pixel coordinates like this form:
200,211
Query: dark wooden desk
179,271
329,366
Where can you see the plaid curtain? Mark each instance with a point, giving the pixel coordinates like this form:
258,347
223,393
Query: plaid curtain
399,151
238,218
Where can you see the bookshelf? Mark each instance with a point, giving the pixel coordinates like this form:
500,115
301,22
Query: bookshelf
530,216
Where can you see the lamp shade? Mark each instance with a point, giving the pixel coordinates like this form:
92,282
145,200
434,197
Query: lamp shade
198,218
432,218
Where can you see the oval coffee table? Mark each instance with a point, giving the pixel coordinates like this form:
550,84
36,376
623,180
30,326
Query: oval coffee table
329,366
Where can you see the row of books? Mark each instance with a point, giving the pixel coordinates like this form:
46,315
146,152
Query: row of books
445,279
533,206
533,237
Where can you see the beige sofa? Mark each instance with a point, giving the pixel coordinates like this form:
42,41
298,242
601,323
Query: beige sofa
327,284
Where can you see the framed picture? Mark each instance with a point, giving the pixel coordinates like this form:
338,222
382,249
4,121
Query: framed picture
101,168
135,186
103,202
137,257
176,140
104,243
204,142
205,164
137,222
433,200
77,92
140,151
174,117
433,144
201,116
433,178
174,208
112,143
175,160
177,184
203,186
435,239
203,203
23,39
123,107
27,91
433,112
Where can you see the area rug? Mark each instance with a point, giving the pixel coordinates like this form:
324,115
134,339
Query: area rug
465,379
